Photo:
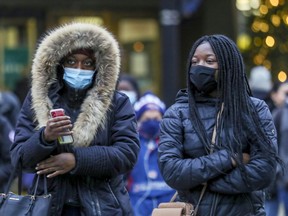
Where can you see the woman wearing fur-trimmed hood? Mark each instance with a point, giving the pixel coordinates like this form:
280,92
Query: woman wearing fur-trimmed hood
76,68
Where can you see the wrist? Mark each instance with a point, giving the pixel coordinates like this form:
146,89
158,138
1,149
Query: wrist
44,139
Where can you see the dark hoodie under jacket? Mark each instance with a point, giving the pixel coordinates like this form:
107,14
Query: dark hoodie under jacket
227,192
106,142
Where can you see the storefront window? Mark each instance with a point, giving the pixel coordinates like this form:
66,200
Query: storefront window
17,42
139,38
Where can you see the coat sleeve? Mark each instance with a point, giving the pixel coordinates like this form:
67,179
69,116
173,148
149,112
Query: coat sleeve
260,170
118,153
186,173
28,145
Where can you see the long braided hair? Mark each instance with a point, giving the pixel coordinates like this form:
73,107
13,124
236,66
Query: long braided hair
239,114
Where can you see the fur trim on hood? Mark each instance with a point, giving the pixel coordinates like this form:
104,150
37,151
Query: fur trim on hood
56,45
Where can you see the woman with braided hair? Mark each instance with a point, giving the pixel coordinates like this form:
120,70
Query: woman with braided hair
242,160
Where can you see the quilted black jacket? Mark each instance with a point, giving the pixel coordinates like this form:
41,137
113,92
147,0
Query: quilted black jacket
185,166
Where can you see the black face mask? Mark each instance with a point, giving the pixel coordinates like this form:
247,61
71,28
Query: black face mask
203,78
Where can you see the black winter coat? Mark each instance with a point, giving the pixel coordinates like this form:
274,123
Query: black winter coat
227,193
99,181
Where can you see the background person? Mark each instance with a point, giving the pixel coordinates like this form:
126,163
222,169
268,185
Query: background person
76,68
145,183
277,193
275,101
10,106
277,95
243,161
260,82
128,85
6,139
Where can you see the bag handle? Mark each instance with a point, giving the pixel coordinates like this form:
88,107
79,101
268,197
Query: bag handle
45,185
11,178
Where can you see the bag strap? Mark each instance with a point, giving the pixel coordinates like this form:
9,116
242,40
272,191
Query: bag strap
11,178
213,141
45,185
205,184
174,197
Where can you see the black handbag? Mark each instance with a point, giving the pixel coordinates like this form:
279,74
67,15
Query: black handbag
12,204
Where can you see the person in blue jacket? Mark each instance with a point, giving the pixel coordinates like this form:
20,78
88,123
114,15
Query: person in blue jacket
76,67
242,161
146,186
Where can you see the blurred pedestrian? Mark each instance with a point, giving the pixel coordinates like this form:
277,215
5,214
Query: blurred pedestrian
242,161
277,95
6,139
76,68
145,183
260,82
10,106
128,85
277,193
22,87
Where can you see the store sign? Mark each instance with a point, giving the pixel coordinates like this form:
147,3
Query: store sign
15,62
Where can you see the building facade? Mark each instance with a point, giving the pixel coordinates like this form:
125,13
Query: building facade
155,35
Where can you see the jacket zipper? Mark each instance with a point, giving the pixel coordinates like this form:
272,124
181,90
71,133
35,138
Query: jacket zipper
112,193
214,205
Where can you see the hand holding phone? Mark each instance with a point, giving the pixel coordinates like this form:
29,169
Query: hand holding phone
65,139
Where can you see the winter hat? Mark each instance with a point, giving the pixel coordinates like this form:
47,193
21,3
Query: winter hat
148,101
260,79
85,51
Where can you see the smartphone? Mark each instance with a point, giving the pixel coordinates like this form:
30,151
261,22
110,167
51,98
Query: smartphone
67,139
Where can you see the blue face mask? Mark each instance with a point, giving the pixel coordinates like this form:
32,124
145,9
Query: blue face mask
150,129
78,78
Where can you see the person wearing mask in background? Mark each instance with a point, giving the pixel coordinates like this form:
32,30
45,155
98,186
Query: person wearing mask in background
145,183
6,139
242,161
260,82
277,193
128,85
76,67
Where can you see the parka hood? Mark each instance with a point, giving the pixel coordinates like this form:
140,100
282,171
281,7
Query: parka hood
56,45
